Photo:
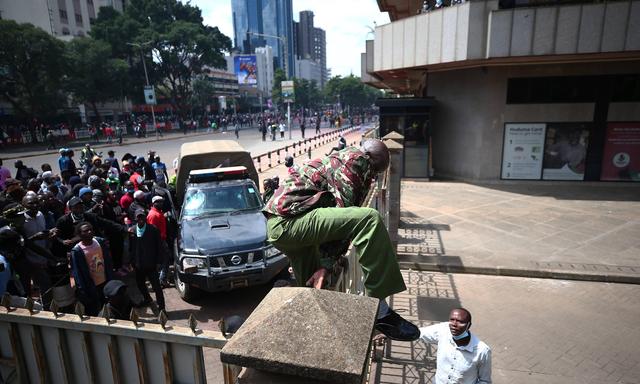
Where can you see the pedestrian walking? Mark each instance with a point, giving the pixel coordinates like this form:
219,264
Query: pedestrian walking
317,125
282,128
236,129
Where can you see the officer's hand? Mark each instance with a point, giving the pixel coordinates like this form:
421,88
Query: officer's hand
317,279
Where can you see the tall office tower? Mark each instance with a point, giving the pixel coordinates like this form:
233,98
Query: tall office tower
64,19
253,18
305,36
320,53
311,45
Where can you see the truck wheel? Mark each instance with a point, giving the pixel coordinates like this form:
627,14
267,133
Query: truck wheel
186,291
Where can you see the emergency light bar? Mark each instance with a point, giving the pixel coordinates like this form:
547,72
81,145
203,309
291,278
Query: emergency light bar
218,174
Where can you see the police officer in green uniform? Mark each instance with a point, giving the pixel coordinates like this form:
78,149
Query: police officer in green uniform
320,204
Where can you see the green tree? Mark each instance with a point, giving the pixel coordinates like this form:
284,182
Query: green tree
203,93
350,91
31,67
94,77
276,92
307,93
180,43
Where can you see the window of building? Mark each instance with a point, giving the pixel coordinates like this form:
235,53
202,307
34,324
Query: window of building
63,16
79,19
65,31
574,89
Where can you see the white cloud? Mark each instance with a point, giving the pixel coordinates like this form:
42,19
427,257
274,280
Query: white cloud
346,23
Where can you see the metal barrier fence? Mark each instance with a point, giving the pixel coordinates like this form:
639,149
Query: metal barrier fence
273,158
47,347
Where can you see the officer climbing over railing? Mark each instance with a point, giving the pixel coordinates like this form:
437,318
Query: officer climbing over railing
320,204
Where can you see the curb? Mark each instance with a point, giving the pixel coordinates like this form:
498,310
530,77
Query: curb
104,145
520,272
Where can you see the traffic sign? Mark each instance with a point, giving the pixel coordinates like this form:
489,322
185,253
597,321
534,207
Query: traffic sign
149,95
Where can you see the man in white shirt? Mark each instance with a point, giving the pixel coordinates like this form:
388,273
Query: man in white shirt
462,358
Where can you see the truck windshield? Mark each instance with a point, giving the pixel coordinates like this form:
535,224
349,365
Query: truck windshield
220,199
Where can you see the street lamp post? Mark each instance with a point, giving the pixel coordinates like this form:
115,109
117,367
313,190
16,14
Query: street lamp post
283,40
146,76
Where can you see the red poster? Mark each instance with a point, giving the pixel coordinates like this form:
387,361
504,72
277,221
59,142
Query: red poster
621,157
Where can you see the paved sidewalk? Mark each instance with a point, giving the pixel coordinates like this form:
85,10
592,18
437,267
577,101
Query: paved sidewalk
587,231
540,330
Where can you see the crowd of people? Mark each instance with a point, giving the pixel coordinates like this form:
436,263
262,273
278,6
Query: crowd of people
97,221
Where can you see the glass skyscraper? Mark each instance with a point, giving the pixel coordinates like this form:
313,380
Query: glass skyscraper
269,17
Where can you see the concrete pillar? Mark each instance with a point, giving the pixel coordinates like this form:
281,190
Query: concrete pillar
396,149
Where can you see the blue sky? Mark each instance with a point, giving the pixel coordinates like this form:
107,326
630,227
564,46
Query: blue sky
345,22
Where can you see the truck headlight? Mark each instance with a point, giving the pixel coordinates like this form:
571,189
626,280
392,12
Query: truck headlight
271,252
193,262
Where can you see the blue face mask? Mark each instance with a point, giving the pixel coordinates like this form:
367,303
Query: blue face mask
130,190
58,183
461,336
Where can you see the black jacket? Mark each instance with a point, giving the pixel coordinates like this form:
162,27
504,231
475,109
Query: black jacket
146,251
101,227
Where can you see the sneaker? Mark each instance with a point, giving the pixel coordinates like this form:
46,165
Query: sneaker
395,327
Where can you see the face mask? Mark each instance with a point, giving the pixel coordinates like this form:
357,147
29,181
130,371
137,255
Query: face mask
130,190
58,183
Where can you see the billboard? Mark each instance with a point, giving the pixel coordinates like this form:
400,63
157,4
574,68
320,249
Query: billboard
288,92
565,151
621,158
522,152
246,70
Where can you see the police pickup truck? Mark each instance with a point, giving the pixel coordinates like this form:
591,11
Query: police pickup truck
222,243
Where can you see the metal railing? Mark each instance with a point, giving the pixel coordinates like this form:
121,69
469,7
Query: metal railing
276,157
51,347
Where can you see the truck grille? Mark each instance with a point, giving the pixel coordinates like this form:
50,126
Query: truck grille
235,259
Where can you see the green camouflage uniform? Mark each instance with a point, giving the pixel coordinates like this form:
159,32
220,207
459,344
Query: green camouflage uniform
320,204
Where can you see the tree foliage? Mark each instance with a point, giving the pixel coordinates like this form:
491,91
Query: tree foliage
175,34
276,92
350,91
203,93
307,93
93,76
31,68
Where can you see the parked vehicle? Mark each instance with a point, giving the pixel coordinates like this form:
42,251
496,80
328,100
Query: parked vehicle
222,244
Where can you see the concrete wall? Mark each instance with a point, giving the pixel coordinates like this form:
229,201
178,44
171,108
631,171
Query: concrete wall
471,110
448,34
567,29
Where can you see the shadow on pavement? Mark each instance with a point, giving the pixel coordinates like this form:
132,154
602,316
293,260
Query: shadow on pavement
570,190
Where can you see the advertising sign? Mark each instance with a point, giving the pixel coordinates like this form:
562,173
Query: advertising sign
149,95
621,157
246,70
565,151
522,153
288,92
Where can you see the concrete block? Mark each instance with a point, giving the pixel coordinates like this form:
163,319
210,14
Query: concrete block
387,46
500,33
398,43
591,23
615,25
633,31
462,31
449,30
311,333
377,49
522,35
543,33
409,43
435,37
422,39
567,29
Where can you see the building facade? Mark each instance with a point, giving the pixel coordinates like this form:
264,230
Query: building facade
311,45
309,70
258,23
501,91
64,19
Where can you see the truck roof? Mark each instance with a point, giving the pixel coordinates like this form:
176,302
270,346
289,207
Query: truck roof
206,154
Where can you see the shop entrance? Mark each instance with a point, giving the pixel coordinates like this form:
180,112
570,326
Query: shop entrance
411,117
